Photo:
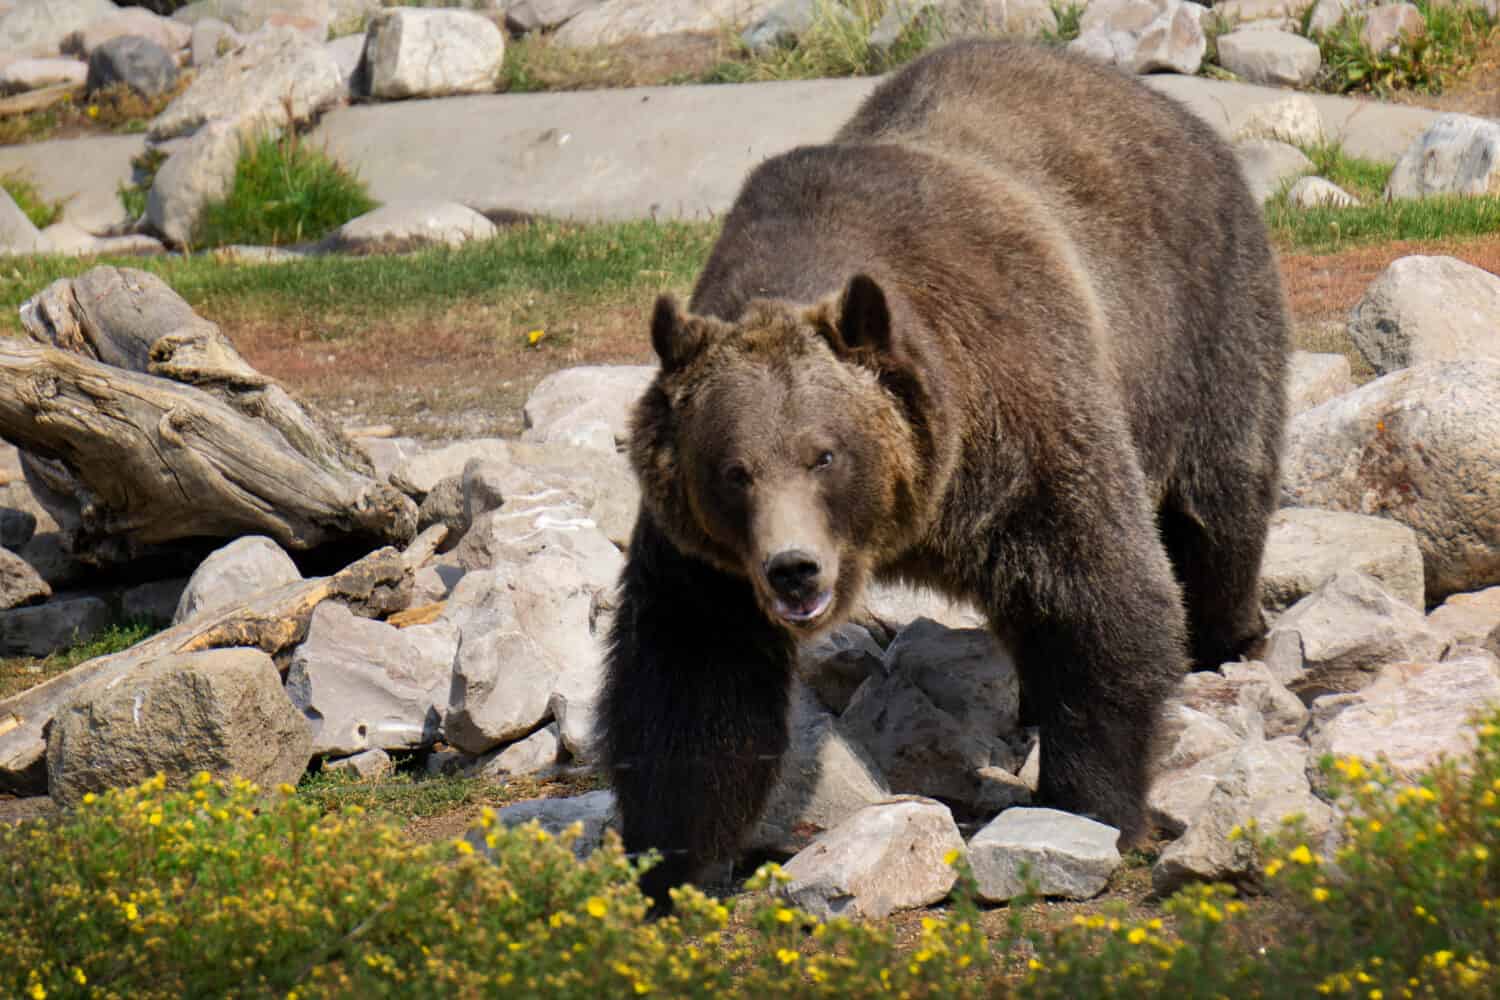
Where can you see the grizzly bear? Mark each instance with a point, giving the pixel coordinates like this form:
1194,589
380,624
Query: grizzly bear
1016,334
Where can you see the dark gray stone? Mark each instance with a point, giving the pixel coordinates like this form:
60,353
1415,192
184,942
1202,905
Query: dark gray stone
139,63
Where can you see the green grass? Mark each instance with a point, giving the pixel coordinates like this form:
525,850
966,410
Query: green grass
144,166
541,258
406,796
23,191
20,673
283,192
1454,35
837,44
1069,21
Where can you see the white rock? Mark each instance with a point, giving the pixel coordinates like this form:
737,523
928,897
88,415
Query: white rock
1413,714
234,573
276,78
536,754
420,473
1457,154
526,16
502,680
1144,36
1275,58
1468,619
431,53
362,684
1314,379
943,709
1388,25
1306,547
573,397
1064,855
887,608
1418,446
1240,13
1294,119
200,172
1349,628
398,227
593,811
211,40
1269,165
1247,698
221,711
348,53
368,765
616,20
1315,192
38,27
34,74
1423,309
1188,736
886,857
1263,783
137,21
824,779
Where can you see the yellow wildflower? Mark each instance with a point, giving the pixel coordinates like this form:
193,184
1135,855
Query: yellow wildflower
785,916
1301,855
1481,853
597,907
1136,936
131,913
79,977
1442,958
1320,894
951,858
463,846
1273,867
786,956
534,337
89,798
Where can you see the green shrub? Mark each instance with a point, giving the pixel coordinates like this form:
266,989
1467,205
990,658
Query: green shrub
1454,34
837,44
1069,16
23,191
283,192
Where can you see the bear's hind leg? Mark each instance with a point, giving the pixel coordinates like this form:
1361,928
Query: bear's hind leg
693,719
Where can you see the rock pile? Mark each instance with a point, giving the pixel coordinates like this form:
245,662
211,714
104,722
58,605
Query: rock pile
477,645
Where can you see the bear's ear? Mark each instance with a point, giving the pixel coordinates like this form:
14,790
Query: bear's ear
858,320
676,341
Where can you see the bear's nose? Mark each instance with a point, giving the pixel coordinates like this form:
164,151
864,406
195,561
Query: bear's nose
793,573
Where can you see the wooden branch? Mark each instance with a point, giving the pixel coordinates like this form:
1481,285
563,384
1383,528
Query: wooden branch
145,426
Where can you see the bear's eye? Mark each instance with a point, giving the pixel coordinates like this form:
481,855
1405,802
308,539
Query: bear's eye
823,461
738,476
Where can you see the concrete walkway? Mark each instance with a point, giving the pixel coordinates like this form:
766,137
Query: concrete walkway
668,152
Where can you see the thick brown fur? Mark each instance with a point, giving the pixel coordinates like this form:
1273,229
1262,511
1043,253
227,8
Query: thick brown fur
1017,334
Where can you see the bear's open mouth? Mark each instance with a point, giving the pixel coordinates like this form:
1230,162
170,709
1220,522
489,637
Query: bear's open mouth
802,612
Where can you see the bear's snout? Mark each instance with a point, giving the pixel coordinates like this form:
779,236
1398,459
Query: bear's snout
796,580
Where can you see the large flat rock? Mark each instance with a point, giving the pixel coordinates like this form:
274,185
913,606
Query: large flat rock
84,173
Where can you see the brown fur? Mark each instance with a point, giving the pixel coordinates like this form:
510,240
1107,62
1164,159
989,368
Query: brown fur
1016,333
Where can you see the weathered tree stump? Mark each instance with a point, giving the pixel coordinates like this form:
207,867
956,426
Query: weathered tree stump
142,425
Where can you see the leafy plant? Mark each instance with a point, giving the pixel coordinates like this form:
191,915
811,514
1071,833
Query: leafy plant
143,168
1421,63
1069,15
283,192
29,199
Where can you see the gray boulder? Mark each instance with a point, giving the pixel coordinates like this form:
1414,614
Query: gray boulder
1269,165
42,629
835,665
1388,25
1274,58
1316,192
1055,853
136,21
1144,36
404,226
38,27
34,74
1314,379
431,53
1307,547
1467,619
824,779
1260,783
535,754
363,685
278,77
199,172
1349,628
1417,446
17,233
221,711
19,583
526,16
138,63
1415,713
886,857
617,20
574,398
1293,119
233,573
1423,309
1457,154
367,765
592,812
420,473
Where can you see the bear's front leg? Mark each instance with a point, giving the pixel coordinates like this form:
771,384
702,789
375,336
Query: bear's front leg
693,721
1097,626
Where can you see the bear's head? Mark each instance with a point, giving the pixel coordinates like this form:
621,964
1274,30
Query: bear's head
782,448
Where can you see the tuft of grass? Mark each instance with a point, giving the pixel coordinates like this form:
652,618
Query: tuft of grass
24,192
1069,14
1455,33
21,673
533,261
116,109
143,168
836,45
283,192
1325,228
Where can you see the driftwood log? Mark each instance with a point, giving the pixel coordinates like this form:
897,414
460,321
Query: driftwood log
141,425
